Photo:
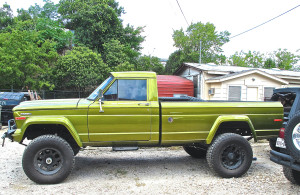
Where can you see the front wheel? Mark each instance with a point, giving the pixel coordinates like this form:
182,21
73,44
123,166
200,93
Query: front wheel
48,159
230,155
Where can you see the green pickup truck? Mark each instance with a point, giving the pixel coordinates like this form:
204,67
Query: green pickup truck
124,112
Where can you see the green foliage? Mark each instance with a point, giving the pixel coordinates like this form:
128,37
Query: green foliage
25,60
49,10
114,53
281,59
94,21
23,15
52,30
32,42
269,63
250,59
80,69
6,17
116,56
150,63
97,23
175,60
285,59
211,41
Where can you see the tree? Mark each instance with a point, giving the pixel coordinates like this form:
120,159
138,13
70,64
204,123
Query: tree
97,22
116,57
250,59
281,59
150,63
94,21
114,53
80,69
175,60
269,63
6,17
211,41
285,59
25,60
51,30
238,59
49,10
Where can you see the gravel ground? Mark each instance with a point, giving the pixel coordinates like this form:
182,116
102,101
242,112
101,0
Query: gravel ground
146,171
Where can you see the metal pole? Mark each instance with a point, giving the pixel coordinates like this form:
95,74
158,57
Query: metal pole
200,52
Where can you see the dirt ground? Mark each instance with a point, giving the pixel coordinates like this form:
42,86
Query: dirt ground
145,171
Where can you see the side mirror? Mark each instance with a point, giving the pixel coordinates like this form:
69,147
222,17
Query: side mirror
100,95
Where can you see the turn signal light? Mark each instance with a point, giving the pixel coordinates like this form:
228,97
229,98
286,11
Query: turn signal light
281,132
20,118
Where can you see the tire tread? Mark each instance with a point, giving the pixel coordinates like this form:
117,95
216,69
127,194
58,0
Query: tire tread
32,145
212,158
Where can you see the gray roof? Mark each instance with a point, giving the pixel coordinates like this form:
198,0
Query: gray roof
229,75
234,69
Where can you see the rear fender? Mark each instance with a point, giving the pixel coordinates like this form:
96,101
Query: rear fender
229,118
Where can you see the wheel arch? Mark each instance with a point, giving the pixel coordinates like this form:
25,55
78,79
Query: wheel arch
238,124
36,126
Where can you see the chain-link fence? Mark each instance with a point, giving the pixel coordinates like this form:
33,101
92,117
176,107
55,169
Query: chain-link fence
55,94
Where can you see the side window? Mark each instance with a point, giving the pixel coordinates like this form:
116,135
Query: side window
130,90
112,93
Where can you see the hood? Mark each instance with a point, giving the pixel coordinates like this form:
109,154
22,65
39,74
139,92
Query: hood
55,104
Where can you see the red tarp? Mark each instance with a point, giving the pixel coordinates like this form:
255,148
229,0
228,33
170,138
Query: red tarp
168,85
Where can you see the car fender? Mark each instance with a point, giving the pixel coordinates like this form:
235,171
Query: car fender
36,120
229,118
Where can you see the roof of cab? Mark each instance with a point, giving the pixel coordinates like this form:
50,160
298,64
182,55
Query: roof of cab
134,74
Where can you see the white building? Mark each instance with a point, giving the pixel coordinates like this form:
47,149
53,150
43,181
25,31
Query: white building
213,82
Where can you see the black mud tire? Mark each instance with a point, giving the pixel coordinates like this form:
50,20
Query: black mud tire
48,159
196,151
230,155
291,175
292,136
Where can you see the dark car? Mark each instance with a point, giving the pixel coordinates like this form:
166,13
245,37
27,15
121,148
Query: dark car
8,100
288,141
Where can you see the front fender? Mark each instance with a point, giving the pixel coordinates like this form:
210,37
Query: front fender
36,120
229,118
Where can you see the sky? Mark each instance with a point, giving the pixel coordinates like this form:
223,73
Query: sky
161,17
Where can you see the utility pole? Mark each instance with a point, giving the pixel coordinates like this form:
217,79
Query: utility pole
200,52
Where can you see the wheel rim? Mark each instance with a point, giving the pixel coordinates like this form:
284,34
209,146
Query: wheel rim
232,157
48,161
296,136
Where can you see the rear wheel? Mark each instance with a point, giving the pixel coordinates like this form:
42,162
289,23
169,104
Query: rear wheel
291,175
48,159
194,151
292,136
230,155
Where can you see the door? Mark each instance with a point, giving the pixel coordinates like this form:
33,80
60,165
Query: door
252,94
127,113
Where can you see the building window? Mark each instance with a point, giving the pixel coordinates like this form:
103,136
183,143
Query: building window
234,93
268,92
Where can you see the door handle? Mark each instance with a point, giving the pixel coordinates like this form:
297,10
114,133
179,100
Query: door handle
143,104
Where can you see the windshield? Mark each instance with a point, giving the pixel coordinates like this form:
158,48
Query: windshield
95,93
